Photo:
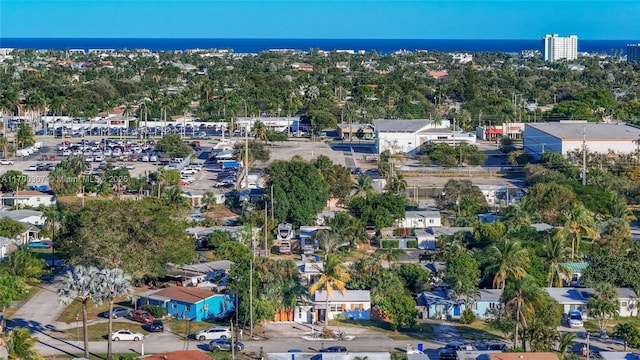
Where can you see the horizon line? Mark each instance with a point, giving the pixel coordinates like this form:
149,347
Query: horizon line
295,38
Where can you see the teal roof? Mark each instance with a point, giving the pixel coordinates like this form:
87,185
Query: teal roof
576,267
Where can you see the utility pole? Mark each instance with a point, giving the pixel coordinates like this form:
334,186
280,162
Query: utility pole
266,219
253,254
584,155
272,209
246,159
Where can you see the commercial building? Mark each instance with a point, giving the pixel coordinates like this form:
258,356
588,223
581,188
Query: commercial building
558,48
407,136
633,53
565,137
495,132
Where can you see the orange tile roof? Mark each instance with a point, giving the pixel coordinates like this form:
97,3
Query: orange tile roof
187,294
180,355
523,356
438,74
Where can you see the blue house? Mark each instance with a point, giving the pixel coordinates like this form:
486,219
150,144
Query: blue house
489,300
438,305
190,302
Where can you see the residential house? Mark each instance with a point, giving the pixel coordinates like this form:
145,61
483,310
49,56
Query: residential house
310,272
426,239
350,304
576,269
189,302
195,199
438,305
578,298
420,219
489,299
26,216
30,198
328,356
522,356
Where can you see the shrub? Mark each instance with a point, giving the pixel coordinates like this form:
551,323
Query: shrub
412,244
390,244
328,333
467,317
155,310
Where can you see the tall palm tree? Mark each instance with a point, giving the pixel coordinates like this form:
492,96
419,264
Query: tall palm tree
520,297
329,241
554,251
565,340
510,258
334,277
114,283
397,184
579,224
81,284
21,345
363,186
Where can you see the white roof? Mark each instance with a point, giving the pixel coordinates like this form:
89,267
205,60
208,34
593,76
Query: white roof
345,296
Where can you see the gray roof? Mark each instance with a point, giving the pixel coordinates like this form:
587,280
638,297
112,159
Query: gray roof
490,294
19,215
582,295
210,266
329,356
385,125
618,355
421,214
447,230
354,126
347,295
593,131
542,226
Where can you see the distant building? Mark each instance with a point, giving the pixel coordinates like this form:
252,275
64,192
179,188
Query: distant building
633,53
567,137
407,136
558,48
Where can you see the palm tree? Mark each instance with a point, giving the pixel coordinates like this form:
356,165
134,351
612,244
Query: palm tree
329,241
334,277
174,197
579,224
21,345
521,295
208,200
390,254
510,259
554,251
565,340
81,284
114,283
24,265
628,333
260,131
363,186
397,184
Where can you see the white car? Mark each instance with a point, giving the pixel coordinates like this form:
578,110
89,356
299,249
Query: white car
6,162
127,335
214,332
188,171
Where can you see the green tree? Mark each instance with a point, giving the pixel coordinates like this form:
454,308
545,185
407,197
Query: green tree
554,251
24,265
255,149
463,275
549,202
173,146
603,305
81,284
334,277
400,307
519,298
25,137
455,192
10,288
565,341
379,210
628,333
22,346
509,260
415,277
10,228
363,185
299,191
13,180
578,224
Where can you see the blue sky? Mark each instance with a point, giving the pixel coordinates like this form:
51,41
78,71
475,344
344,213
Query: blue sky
349,19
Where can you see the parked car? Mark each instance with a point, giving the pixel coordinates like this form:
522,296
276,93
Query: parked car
117,312
32,168
38,245
6,162
214,332
155,326
126,335
224,345
449,352
333,349
142,316
574,318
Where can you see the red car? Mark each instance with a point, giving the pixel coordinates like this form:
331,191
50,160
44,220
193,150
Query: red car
142,316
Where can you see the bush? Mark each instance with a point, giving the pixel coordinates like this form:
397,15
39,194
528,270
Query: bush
328,333
467,317
412,244
390,244
155,310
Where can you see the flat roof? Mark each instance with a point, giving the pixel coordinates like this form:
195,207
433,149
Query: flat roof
386,125
593,131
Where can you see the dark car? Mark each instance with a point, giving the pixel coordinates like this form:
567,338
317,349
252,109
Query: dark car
334,349
449,350
155,326
117,313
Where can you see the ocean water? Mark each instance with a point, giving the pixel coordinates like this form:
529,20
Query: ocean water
382,46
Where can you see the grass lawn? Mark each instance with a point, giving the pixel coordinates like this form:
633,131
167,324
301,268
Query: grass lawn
478,330
591,325
421,331
68,315
98,332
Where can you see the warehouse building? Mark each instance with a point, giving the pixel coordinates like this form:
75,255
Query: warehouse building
407,136
565,137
